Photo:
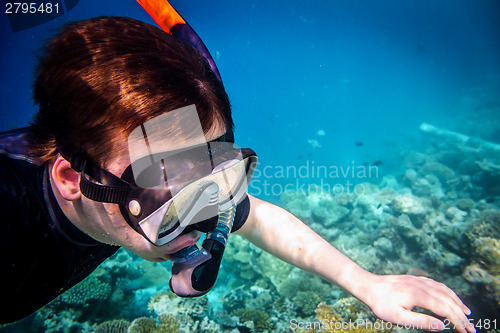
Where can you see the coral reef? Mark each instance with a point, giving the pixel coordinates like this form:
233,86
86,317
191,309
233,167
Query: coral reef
51,321
238,257
305,292
142,325
425,221
332,322
485,271
305,302
166,323
113,326
260,319
437,217
89,289
317,205
300,281
352,309
193,314
168,302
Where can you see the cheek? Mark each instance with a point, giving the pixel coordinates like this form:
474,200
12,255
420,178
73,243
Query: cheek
116,217
122,233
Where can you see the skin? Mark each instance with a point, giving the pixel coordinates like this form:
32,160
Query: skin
390,297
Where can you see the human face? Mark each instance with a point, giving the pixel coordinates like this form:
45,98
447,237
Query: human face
105,223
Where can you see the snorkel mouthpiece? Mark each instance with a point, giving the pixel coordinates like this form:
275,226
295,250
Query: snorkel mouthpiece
195,268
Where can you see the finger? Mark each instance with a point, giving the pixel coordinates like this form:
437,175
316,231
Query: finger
463,326
440,303
452,295
460,321
419,321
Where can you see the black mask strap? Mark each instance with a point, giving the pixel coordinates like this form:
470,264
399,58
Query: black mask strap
97,183
116,189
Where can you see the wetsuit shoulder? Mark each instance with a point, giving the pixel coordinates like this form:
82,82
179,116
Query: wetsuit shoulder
42,253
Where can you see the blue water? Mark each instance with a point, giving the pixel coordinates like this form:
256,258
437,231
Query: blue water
367,71
333,83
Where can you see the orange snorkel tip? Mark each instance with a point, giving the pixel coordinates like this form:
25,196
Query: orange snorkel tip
162,12
170,21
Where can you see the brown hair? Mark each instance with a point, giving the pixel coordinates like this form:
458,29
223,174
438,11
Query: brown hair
101,78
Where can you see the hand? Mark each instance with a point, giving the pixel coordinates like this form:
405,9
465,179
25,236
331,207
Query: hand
392,297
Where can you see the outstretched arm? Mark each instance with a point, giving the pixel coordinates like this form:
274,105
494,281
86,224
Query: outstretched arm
390,297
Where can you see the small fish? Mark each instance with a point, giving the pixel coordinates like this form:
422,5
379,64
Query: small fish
376,163
359,143
314,143
417,271
434,145
299,157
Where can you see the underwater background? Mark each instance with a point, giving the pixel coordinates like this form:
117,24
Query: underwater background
376,122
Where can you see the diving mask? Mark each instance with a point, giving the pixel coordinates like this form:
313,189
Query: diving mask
165,193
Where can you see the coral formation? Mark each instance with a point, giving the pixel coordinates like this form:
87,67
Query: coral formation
352,309
142,325
332,322
238,258
51,321
302,282
168,302
192,313
113,326
304,291
259,318
89,289
167,324
316,204
488,249
305,302
486,270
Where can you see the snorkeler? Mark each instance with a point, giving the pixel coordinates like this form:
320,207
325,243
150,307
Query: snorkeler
133,146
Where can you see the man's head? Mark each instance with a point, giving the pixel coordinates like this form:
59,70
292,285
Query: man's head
102,78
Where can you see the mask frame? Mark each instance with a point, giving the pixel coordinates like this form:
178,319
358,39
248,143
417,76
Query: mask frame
99,184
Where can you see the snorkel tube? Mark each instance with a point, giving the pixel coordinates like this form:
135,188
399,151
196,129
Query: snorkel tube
170,21
196,267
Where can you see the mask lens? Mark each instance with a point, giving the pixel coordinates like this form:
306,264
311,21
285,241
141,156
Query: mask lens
228,181
151,176
182,178
169,223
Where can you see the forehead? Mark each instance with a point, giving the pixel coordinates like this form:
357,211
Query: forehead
174,130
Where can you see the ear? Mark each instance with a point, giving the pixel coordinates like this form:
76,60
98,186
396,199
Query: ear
66,179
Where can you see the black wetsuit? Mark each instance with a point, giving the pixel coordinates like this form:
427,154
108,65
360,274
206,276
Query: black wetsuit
42,253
